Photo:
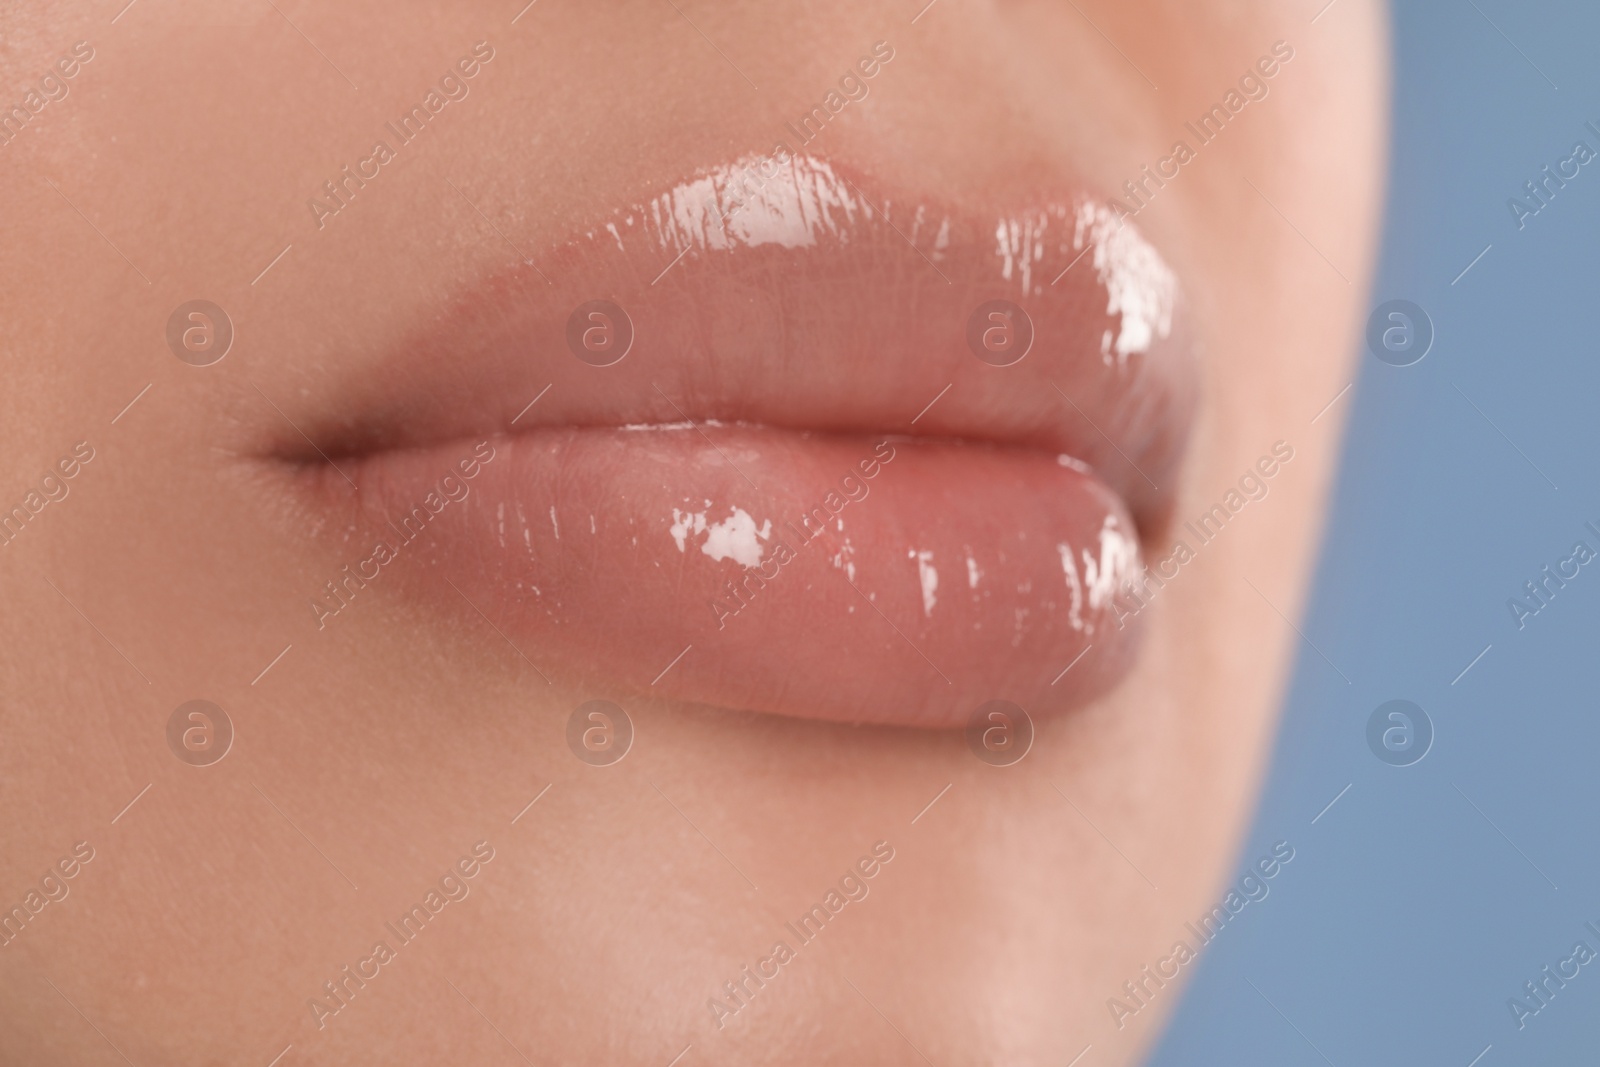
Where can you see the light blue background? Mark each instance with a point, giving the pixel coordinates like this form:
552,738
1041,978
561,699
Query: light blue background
1406,919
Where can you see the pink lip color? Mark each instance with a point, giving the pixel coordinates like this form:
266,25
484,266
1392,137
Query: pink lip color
753,481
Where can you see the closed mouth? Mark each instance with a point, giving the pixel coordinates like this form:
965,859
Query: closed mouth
780,439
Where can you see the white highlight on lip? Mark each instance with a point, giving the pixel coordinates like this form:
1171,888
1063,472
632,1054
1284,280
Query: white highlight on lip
1119,558
973,573
1140,287
844,559
797,201
1070,569
1074,464
737,537
1103,574
789,203
637,427
1020,244
684,523
553,523
929,579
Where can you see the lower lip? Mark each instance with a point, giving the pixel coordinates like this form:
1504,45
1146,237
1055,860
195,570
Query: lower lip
844,578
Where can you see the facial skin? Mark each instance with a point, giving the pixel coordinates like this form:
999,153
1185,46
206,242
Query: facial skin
372,757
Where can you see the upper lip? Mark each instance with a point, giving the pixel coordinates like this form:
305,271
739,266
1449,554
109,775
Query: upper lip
861,330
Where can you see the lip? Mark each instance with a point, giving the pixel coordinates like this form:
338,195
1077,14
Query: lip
799,491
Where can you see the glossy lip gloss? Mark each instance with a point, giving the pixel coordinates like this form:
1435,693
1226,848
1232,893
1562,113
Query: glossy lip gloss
753,482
